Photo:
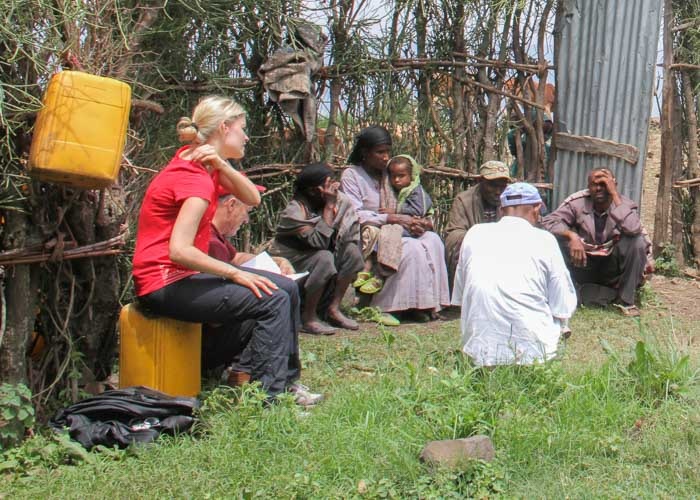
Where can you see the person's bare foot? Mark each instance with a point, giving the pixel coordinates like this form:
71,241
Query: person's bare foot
337,318
317,328
436,316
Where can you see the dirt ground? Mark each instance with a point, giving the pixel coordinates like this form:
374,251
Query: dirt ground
680,295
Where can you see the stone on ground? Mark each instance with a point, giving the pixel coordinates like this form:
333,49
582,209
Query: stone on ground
453,452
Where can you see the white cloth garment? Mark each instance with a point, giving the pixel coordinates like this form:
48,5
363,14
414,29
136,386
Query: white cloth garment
512,283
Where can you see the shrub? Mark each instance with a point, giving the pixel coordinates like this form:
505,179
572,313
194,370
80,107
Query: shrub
666,263
17,414
659,374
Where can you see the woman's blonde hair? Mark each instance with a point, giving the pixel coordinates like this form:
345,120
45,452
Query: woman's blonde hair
209,113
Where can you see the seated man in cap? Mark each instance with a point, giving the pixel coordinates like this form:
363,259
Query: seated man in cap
514,304
477,204
603,242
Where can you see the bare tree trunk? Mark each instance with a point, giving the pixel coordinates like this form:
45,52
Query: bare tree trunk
524,118
336,88
693,167
20,303
663,198
339,36
459,123
692,122
423,92
519,155
542,76
677,172
490,112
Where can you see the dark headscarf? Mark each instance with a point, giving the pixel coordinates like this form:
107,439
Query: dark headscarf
312,176
367,139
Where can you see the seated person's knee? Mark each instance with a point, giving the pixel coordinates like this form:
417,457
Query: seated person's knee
325,264
634,244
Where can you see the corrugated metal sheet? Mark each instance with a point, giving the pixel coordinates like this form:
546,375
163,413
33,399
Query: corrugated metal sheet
605,81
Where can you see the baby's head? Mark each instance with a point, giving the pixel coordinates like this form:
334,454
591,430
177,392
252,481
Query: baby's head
400,172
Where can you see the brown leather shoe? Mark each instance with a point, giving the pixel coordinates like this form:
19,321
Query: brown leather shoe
237,379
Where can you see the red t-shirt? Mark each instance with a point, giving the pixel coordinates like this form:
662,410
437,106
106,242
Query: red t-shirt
179,180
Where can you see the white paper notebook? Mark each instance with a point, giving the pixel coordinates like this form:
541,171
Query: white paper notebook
264,262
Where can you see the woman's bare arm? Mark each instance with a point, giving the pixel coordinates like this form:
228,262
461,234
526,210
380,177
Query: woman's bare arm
182,250
231,179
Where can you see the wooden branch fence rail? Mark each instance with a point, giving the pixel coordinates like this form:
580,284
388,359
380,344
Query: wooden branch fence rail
280,169
54,250
687,183
371,66
59,250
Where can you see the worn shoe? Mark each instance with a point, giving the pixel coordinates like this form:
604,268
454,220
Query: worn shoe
387,319
303,395
362,278
237,379
234,378
629,310
372,286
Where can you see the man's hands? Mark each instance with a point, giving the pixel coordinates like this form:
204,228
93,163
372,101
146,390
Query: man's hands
576,250
605,177
285,266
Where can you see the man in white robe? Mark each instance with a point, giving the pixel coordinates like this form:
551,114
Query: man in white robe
513,285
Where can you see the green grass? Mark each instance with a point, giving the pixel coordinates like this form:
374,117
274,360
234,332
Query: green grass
588,425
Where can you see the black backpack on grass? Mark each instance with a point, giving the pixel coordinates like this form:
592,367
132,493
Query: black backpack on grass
125,416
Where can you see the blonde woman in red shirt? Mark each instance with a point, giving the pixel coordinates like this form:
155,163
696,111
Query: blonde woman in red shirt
173,274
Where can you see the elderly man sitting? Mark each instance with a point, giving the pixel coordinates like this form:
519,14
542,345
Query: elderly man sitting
603,242
233,348
477,204
514,303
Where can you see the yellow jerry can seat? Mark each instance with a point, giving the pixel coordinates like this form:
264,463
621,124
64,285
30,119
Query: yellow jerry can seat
80,131
161,353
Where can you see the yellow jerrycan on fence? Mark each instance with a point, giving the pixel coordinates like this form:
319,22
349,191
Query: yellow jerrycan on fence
160,353
80,131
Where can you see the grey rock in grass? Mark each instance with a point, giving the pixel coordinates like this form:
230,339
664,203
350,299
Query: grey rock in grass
453,452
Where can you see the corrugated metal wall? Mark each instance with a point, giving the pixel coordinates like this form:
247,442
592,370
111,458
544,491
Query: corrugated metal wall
605,76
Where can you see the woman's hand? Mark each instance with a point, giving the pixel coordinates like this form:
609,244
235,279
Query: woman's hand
387,211
206,155
329,191
403,220
426,223
417,227
232,180
253,281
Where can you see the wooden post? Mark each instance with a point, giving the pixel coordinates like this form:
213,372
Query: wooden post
676,173
663,197
693,167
